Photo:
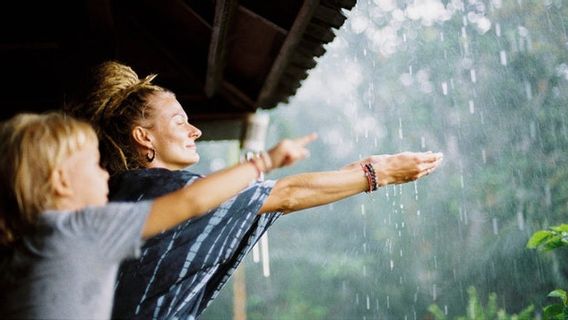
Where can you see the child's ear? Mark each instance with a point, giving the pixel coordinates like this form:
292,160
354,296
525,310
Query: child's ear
142,137
61,184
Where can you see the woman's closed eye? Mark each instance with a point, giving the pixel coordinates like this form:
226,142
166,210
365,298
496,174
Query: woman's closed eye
180,120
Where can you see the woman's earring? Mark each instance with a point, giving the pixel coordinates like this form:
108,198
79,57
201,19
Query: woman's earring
151,155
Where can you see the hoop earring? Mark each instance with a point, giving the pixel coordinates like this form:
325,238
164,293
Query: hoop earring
151,155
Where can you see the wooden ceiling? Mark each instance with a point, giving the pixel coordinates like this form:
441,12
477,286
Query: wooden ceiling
223,59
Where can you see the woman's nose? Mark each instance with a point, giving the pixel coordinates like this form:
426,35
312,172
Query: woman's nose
194,132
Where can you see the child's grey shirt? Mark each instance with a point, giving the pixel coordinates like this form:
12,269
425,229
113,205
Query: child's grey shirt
67,267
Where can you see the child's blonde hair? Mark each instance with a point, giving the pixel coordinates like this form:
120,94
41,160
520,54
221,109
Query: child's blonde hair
32,146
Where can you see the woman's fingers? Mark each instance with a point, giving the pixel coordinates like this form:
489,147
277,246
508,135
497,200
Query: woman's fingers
429,167
303,141
289,151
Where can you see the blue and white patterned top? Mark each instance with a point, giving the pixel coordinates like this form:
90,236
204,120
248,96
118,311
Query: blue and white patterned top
181,271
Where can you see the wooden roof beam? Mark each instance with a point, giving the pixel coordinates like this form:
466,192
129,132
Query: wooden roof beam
288,47
224,13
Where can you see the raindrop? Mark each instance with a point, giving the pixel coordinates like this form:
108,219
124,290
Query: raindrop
473,75
547,195
265,255
471,107
423,142
388,302
503,57
495,226
520,220
391,265
368,303
417,212
434,292
445,88
523,32
483,156
528,90
362,209
498,29
400,128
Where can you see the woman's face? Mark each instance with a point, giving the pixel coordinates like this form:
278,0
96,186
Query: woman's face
170,133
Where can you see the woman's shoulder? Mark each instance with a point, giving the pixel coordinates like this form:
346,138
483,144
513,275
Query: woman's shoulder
133,185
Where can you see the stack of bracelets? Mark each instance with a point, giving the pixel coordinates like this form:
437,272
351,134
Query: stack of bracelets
259,157
371,176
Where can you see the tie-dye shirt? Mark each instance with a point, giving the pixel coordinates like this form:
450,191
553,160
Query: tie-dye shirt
181,271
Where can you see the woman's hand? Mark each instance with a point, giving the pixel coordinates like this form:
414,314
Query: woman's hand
289,151
402,167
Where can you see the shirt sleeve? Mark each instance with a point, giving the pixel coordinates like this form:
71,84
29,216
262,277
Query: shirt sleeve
116,228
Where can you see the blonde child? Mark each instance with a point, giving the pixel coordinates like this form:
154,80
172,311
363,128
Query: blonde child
60,242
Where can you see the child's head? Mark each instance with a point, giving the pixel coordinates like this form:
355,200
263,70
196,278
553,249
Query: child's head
47,161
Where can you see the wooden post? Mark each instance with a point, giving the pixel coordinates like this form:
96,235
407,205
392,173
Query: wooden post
253,140
239,294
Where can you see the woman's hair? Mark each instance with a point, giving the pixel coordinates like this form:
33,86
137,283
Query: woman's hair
117,102
32,146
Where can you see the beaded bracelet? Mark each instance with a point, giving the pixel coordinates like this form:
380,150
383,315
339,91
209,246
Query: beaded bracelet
371,176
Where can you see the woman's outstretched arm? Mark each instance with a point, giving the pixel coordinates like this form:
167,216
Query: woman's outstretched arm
207,193
308,190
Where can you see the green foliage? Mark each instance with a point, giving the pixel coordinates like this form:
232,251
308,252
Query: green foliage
477,311
547,240
557,311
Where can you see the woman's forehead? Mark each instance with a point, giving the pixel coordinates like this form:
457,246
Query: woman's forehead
166,104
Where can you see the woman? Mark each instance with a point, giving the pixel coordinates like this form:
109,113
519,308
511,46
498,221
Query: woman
146,141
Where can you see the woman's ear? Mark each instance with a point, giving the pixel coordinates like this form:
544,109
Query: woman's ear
61,183
142,137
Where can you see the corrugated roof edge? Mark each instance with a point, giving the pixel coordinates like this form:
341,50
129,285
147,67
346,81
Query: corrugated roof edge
327,16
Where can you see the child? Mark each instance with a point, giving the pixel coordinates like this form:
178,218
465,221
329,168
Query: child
60,242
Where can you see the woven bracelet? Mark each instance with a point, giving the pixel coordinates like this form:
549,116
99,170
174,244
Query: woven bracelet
371,176
374,185
371,180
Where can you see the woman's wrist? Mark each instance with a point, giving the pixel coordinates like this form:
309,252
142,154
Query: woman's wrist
261,163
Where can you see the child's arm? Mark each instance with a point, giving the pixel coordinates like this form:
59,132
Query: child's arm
209,192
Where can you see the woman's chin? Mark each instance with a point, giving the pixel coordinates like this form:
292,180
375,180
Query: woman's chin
194,160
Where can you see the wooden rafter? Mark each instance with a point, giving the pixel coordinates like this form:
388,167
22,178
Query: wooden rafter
288,47
224,13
